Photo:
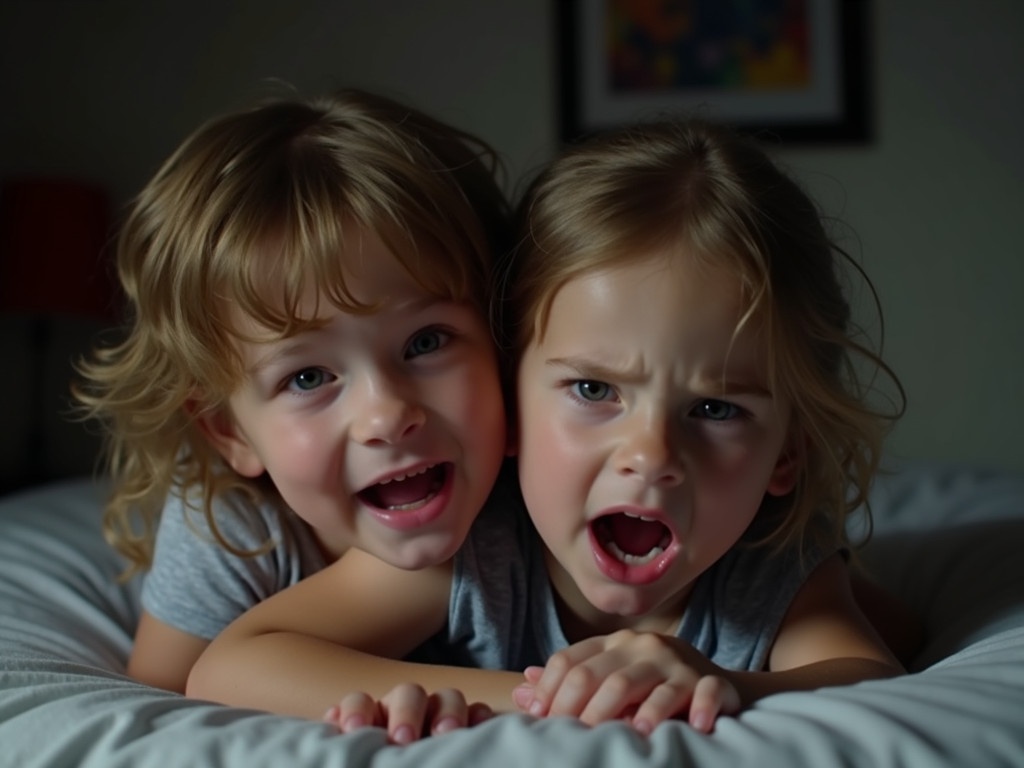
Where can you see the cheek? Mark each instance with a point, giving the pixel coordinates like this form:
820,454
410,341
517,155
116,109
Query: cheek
477,404
487,393
738,471
550,453
293,451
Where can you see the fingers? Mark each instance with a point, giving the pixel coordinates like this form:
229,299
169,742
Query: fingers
551,680
712,696
594,693
598,689
598,678
408,713
404,710
643,678
532,674
641,694
354,711
478,713
664,702
446,711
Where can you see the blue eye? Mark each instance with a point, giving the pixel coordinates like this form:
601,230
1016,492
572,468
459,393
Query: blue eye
309,379
592,391
425,342
716,410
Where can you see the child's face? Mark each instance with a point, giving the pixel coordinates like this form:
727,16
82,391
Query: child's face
648,436
383,431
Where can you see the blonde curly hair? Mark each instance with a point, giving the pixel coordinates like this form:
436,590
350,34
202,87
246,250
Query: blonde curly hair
299,174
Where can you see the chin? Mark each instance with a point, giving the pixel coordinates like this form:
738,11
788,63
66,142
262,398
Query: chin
421,554
619,600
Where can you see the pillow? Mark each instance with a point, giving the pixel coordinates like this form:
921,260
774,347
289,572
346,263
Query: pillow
947,539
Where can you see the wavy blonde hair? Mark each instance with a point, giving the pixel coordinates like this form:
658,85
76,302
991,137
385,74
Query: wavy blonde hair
251,209
691,187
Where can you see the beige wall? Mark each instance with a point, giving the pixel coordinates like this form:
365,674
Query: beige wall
105,88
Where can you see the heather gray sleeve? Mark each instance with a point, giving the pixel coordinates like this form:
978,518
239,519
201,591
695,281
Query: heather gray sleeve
198,586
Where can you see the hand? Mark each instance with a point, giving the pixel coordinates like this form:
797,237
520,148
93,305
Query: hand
408,713
644,678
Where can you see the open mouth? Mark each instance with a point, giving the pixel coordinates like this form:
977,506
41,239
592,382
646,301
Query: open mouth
631,539
407,492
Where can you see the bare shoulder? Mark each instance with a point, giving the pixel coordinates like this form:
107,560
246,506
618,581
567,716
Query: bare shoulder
824,622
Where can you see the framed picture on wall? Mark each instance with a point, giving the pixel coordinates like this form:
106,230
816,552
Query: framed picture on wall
793,70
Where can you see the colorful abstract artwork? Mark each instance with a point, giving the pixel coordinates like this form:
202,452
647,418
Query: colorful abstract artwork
735,44
794,68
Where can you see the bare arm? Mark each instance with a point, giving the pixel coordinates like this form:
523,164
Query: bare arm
162,655
339,631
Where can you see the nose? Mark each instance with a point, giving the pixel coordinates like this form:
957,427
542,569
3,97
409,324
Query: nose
648,452
383,414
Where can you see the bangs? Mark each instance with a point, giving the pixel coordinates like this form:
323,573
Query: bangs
266,266
274,226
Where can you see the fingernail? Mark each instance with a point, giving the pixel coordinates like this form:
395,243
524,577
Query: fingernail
643,726
353,723
331,715
522,696
701,722
403,735
536,709
445,725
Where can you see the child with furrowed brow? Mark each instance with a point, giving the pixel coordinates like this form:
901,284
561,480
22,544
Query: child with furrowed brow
692,437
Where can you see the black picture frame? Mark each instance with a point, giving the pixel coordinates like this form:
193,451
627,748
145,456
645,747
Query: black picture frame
833,108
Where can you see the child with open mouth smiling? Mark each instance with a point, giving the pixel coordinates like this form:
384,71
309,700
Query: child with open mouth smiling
308,364
692,437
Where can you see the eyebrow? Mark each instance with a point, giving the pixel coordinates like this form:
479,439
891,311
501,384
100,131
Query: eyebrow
281,352
590,369
744,387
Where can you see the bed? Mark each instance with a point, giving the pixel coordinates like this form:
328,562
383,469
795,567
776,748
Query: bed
948,538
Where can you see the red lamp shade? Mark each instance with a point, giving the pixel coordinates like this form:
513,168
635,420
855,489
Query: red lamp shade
53,239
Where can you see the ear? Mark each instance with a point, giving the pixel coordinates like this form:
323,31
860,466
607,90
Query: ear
787,468
221,432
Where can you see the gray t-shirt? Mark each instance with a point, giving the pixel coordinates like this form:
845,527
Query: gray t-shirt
198,586
502,612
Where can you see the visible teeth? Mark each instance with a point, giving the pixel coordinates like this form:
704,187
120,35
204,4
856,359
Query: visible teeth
641,517
629,559
411,505
398,478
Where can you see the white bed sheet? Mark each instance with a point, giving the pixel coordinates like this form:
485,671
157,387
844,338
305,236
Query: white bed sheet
950,539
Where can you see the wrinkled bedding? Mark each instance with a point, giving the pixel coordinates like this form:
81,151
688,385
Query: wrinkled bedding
948,538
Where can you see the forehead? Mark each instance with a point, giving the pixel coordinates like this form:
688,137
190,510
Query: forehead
658,307
654,288
374,274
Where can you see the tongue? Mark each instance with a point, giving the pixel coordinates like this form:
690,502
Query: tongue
635,536
398,493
